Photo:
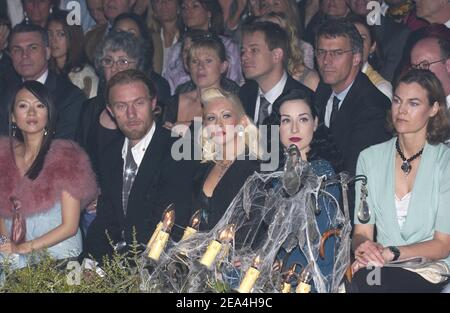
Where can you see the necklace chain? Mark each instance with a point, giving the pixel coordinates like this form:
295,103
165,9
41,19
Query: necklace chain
406,165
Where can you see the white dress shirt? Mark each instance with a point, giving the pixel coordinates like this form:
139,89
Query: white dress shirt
139,149
270,96
341,96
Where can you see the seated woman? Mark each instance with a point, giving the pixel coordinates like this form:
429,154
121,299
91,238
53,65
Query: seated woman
44,182
228,154
207,63
203,15
134,24
408,192
68,58
371,56
297,118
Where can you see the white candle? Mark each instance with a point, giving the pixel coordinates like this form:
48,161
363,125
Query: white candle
210,255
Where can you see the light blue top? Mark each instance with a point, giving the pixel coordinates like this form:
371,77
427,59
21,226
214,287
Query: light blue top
429,207
40,224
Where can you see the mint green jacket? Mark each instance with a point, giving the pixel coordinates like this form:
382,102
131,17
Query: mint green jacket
429,207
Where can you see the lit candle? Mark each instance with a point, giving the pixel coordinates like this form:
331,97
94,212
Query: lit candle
225,236
250,277
160,241
286,286
305,277
193,227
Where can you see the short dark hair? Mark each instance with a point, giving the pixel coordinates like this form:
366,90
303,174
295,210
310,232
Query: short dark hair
127,77
439,125
29,28
341,27
275,36
43,95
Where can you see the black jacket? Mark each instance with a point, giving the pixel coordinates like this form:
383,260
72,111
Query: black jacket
160,181
360,121
248,93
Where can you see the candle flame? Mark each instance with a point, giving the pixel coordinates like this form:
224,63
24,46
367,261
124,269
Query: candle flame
195,220
290,273
227,234
257,262
168,218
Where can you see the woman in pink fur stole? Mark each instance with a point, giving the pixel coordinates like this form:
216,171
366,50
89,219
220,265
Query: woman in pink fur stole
44,183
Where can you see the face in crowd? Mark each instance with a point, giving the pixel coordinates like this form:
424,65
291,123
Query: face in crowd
206,67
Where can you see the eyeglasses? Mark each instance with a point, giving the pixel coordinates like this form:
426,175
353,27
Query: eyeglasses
425,65
122,64
322,53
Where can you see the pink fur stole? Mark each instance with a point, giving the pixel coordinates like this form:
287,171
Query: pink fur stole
66,168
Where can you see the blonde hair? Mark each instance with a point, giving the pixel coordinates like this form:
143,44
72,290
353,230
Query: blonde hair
251,137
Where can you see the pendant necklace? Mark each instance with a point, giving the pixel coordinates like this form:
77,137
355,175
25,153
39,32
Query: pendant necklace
406,163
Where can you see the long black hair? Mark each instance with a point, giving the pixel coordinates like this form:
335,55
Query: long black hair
322,146
42,94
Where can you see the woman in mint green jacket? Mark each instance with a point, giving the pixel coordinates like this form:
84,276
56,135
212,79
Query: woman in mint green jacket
408,193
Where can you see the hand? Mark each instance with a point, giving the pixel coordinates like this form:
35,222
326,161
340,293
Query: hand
370,253
12,248
92,207
387,254
356,266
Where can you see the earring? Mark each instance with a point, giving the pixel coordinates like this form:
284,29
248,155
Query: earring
51,10
45,132
14,128
209,23
27,20
241,131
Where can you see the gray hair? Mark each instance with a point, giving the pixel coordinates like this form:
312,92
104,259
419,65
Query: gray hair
134,47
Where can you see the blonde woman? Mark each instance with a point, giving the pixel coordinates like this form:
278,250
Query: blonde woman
300,67
230,153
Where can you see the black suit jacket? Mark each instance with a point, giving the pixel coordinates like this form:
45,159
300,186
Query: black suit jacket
249,93
360,121
67,98
392,38
160,181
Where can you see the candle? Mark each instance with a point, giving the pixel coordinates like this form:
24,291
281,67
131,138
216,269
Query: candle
286,286
225,236
160,241
305,277
193,226
250,277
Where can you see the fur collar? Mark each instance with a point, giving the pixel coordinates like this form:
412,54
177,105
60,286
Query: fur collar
66,168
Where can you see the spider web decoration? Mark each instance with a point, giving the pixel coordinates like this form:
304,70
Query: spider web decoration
265,218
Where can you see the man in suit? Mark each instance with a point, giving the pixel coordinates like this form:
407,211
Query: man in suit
390,35
436,11
264,55
139,178
348,103
30,52
111,9
433,53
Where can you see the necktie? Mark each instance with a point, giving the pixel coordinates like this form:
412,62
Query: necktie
263,109
334,110
128,177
